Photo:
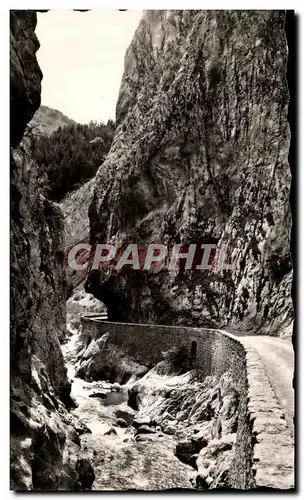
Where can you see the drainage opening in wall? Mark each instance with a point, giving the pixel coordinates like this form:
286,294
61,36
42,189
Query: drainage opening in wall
193,354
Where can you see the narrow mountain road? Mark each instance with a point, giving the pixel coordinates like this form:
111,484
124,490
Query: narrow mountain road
277,357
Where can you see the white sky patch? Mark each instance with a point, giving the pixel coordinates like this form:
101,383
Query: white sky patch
81,56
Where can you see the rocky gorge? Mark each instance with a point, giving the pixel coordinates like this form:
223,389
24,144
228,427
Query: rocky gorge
152,429
199,155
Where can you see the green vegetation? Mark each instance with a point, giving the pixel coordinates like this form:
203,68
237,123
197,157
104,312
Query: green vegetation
71,155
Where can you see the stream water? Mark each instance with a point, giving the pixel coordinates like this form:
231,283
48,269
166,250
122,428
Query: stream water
120,458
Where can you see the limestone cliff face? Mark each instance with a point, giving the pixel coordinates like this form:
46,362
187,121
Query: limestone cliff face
42,441
201,154
75,208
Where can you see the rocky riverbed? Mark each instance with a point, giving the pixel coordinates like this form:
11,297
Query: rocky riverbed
200,155
163,428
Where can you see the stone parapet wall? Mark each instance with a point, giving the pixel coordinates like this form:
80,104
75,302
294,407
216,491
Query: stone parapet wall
273,449
264,446
147,343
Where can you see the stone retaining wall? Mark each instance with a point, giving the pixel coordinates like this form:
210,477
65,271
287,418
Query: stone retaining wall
147,343
264,456
273,448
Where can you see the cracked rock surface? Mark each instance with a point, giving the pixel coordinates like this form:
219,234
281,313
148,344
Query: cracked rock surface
45,447
200,155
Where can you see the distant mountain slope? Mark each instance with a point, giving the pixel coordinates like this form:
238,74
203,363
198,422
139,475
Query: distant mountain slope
47,120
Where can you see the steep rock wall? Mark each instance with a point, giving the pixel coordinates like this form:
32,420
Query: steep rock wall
44,449
201,155
25,74
75,209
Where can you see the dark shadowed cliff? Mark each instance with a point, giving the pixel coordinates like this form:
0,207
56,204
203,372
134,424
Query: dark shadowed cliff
200,154
25,74
44,449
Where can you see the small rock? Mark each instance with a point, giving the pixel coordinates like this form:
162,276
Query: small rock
85,472
166,393
143,437
139,421
101,395
73,435
133,397
182,416
201,483
121,422
196,314
217,428
169,429
142,370
116,387
145,429
110,431
168,416
209,480
199,440
68,483
125,412
192,460
82,428
184,451
157,421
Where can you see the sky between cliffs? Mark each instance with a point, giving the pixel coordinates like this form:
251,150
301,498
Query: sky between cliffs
81,56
